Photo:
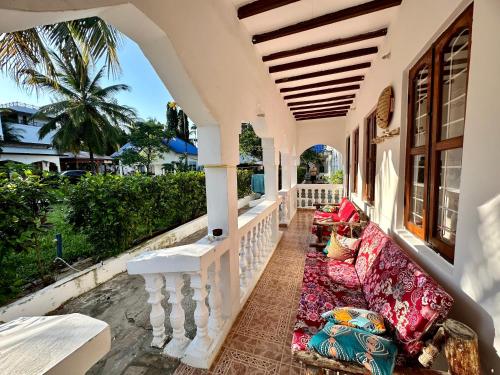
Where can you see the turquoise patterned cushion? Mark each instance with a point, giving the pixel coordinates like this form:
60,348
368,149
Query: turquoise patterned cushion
366,320
375,353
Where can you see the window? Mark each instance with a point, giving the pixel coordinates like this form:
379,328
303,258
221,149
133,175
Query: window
348,163
436,119
370,158
355,161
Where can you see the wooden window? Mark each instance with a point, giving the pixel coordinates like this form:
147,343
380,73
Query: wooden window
370,158
348,163
355,161
436,119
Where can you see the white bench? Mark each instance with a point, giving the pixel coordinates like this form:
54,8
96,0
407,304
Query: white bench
63,344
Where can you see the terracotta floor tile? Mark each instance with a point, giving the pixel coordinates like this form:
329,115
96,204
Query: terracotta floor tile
260,339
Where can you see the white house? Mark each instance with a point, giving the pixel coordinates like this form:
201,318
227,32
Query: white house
178,149
30,149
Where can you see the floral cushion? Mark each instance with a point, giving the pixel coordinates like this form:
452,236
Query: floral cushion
341,248
328,208
376,354
326,285
365,320
373,240
405,295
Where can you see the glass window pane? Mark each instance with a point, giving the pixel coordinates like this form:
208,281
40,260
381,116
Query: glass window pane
420,113
417,190
449,193
455,71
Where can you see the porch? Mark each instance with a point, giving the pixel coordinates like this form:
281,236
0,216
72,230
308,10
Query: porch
390,173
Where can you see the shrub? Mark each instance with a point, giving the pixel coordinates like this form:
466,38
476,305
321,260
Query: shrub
244,182
24,204
337,177
301,173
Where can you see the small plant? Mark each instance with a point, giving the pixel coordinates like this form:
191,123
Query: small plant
337,177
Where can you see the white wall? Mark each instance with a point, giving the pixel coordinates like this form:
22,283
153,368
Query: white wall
28,159
321,132
474,279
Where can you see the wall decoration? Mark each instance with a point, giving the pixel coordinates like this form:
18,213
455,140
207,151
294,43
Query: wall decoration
385,107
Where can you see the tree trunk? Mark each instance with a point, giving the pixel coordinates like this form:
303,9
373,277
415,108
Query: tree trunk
461,348
92,163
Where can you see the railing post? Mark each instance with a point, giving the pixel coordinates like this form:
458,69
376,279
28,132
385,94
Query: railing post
214,300
249,257
198,349
154,283
177,346
243,263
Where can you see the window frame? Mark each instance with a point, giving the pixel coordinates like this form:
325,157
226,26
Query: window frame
434,58
348,163
370,154
355,160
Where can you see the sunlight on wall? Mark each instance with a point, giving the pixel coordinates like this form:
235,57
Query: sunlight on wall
385,191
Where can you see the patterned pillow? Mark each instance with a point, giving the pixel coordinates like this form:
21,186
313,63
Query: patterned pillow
329,208
376,354
341,248
366,320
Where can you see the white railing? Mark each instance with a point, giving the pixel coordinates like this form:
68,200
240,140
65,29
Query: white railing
288,205
220,274
310,194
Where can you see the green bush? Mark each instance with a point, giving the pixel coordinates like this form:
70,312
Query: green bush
244,182
337,177
301,173
24,204
114,211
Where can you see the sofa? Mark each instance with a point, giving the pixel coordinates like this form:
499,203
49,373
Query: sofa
382,279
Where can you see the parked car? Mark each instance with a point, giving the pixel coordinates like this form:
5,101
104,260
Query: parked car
74,175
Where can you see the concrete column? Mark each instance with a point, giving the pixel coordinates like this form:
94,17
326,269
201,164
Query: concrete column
286,171
293,173
271,162
219,154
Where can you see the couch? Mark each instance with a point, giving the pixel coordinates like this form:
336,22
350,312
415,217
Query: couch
382,279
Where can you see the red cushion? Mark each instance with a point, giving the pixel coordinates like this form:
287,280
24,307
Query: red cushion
372,241
346,210
405,295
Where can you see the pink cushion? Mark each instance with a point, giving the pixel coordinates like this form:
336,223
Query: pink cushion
372,241
346,210
405,295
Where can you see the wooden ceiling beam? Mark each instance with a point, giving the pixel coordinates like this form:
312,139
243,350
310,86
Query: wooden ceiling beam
321,92
313,110
323,59
324,84
325,45
327,105
327,72
261,6
330,99
327,19
320,117
318,112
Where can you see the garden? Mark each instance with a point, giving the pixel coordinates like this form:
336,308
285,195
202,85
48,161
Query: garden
97,218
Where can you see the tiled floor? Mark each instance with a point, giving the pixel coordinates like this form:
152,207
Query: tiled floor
259,342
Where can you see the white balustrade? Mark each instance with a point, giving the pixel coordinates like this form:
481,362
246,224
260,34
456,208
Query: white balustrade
310,194
206,263
288,205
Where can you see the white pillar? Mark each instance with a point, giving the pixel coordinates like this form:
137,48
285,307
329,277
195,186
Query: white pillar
286,171
271,162
293,172
219,154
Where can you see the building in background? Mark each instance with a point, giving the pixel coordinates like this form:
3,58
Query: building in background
30,149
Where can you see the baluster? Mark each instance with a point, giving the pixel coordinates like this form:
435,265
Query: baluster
201,342
243,264
268,233
250,256
255,249
177,346
260,243
154,283
214,300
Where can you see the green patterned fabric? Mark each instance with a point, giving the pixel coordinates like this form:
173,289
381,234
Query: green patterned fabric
328,208
376,354
366,320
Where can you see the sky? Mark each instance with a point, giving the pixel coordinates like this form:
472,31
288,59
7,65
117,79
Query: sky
148,94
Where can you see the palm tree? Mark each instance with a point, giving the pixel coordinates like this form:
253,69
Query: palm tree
25,50
85,116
